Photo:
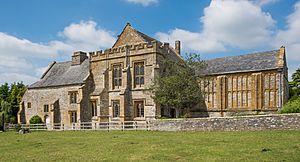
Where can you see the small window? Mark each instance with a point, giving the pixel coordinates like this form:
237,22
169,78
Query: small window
139,108
94,108
46,108
116,108
117,76
73,97
73,116
28,104
139,74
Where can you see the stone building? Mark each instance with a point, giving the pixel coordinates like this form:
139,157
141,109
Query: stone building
113,85
110,85
61,94
249,83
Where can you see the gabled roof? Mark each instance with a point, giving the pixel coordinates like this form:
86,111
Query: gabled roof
243,63
131,36
62,74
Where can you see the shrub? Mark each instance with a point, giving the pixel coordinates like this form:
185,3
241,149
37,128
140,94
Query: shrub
35,120
293,105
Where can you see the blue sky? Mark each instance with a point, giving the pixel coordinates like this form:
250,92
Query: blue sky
34,33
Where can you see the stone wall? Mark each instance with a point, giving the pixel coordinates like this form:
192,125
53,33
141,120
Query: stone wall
59,96
259,122
251,91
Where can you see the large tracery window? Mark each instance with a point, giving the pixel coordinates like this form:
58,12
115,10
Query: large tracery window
139,79
117,76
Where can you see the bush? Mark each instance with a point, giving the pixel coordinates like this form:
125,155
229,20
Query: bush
35,120
293,105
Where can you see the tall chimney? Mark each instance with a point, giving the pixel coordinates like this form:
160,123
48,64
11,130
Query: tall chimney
177,46
78,57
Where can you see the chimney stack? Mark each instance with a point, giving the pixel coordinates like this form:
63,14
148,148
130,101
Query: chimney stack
177,46
78,57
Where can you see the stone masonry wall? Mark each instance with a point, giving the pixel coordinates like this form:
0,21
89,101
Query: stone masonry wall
259,122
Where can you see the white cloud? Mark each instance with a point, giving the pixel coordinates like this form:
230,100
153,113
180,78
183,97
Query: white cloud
11,77
13,46
86,36
20,58
290,36
192,40
143,2
233,23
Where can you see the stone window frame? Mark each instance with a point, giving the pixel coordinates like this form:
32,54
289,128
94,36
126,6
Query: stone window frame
73,97
116,114
117,77
139,113
46,108
28,105
139,74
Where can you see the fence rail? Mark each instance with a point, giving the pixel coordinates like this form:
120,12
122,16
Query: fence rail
101,126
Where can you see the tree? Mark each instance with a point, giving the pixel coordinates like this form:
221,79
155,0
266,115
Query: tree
295,84
10,98
4,92
178,86
6,110
16,93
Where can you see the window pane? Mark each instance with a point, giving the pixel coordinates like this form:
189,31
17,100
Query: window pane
137,81
115,72
136,70
120,72
115,82
142,70
120,82
142,80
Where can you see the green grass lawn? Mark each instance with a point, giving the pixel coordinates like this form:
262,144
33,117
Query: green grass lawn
150,146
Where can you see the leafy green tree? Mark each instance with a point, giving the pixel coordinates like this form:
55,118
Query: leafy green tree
4,92
295,84
6,110
10,98
15,96
178,86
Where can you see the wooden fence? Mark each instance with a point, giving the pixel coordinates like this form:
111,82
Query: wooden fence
101,126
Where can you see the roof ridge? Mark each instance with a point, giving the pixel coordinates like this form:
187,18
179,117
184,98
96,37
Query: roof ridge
262,52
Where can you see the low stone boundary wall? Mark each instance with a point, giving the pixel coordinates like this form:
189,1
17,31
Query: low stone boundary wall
257,122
